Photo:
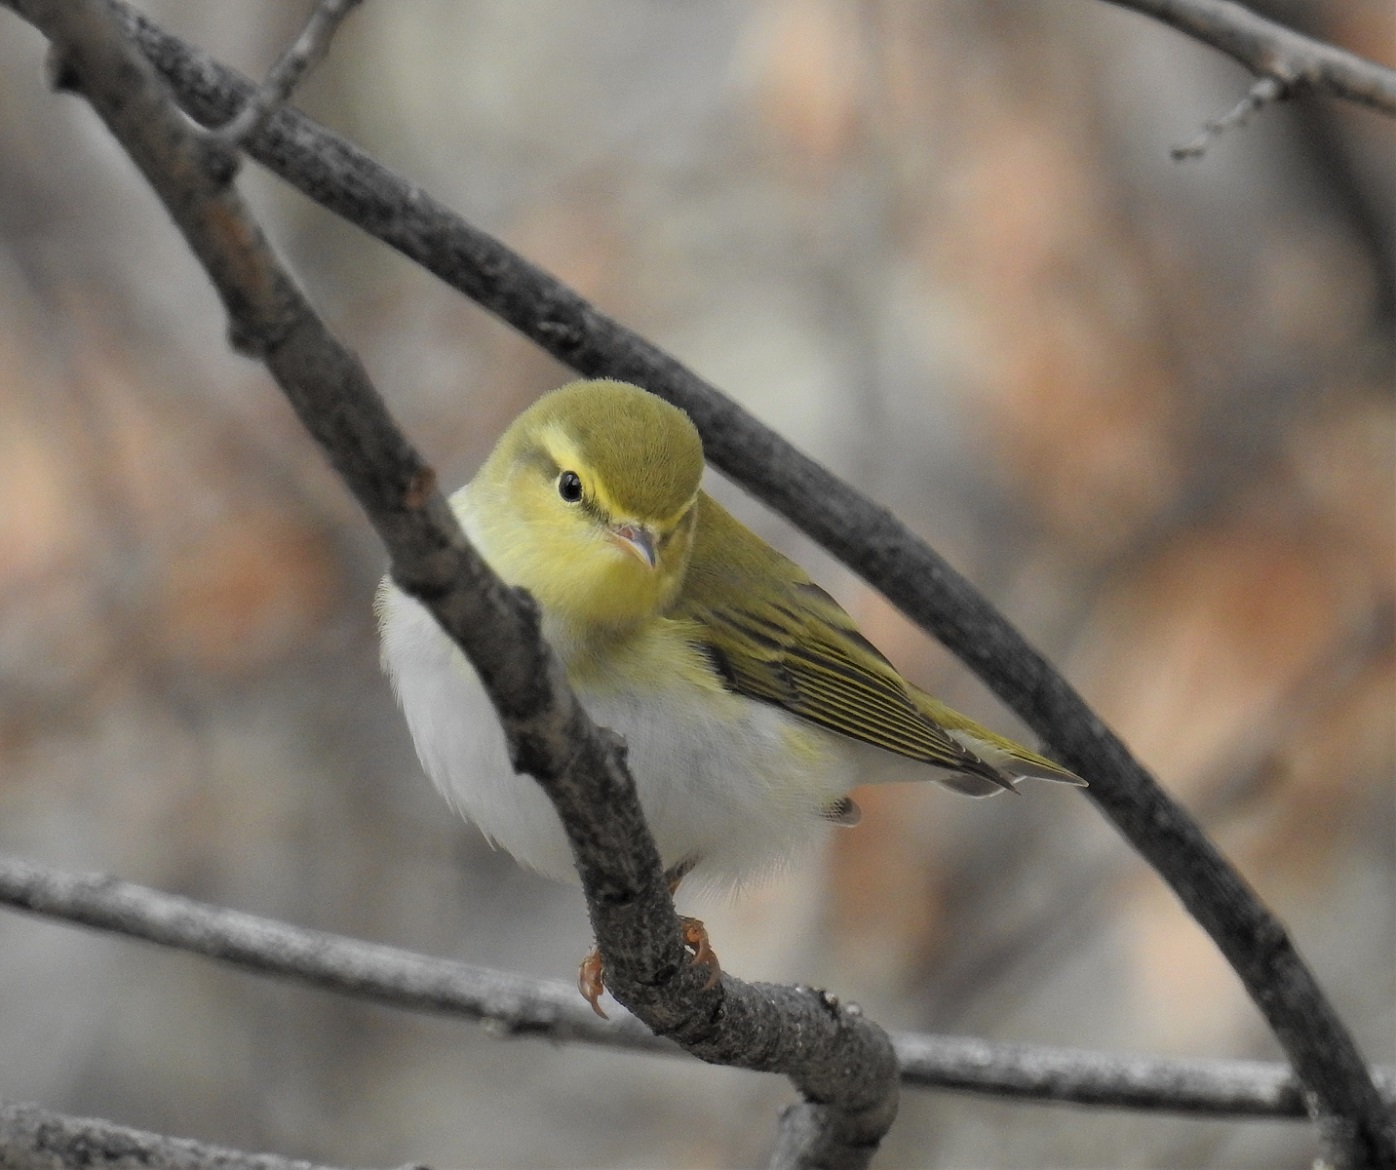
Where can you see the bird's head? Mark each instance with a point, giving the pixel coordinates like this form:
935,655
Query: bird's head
589,502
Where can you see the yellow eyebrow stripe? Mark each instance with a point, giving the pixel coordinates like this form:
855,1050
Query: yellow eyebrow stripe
559,446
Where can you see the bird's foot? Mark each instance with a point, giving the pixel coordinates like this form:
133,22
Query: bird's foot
695,938
591,982
591,975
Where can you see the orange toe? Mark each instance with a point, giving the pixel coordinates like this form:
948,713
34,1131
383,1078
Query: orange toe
591,982
695,938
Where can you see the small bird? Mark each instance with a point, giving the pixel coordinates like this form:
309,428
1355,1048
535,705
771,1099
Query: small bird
745,693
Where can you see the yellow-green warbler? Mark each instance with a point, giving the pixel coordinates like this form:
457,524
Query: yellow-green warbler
742,689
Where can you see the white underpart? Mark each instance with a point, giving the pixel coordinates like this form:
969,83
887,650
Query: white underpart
732,794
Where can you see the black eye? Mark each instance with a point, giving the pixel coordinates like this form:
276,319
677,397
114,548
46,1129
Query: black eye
569,486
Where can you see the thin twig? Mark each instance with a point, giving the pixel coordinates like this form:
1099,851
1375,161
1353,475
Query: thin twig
514,1005
1218,1088
508,1005
1268,49
1261,94
842,1063
306,52
1357,1128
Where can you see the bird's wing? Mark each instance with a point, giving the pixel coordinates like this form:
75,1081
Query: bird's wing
772,634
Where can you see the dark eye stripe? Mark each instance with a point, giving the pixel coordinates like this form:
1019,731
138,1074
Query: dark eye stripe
537,457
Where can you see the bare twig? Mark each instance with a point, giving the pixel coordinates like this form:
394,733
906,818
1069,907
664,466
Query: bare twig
508,1005
514,1005
38,1139
1357,1128
1268,49
1231,1088
1262,93
306,52
843,1064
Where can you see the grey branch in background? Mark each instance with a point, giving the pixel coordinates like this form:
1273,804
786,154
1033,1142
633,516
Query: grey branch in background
508,1005
515,1005
32,1138
1218,1088
1268,49
1355,1125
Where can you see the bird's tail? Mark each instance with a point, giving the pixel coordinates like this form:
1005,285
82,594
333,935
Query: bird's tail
998,763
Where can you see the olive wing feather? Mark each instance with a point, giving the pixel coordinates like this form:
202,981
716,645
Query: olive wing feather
772,634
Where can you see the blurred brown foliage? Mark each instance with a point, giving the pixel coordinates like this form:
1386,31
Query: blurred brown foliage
1147,407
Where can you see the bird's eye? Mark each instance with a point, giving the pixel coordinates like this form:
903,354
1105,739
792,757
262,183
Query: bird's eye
569,486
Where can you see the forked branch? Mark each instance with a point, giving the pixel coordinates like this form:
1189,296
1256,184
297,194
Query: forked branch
1269,49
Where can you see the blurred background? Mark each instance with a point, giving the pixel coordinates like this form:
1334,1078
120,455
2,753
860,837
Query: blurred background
1147,407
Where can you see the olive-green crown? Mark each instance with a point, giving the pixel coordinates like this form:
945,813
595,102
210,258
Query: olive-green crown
642,454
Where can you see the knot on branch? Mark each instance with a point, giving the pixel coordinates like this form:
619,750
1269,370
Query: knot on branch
420,487
1272,941
563,335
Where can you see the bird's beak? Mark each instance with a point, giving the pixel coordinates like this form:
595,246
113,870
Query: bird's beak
635,539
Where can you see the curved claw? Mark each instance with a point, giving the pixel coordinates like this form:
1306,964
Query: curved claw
591,974
591,982
695,938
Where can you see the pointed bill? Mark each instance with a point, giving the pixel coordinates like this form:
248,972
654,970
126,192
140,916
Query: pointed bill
637,540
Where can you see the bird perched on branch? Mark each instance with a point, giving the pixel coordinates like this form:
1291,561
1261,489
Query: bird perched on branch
743,690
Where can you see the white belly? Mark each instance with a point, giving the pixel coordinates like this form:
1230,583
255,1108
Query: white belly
731,791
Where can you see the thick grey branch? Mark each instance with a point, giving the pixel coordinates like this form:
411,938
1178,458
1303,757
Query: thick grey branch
37,1139
1268,49
843,1064
514,1005
868,538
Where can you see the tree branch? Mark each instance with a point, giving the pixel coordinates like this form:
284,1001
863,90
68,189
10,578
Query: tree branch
508,1005
1217,1088
514,1005
1268,49
843,1064
1260,95
1356,1127
32,1138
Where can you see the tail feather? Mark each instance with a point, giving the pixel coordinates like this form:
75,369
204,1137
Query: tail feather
1004,761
